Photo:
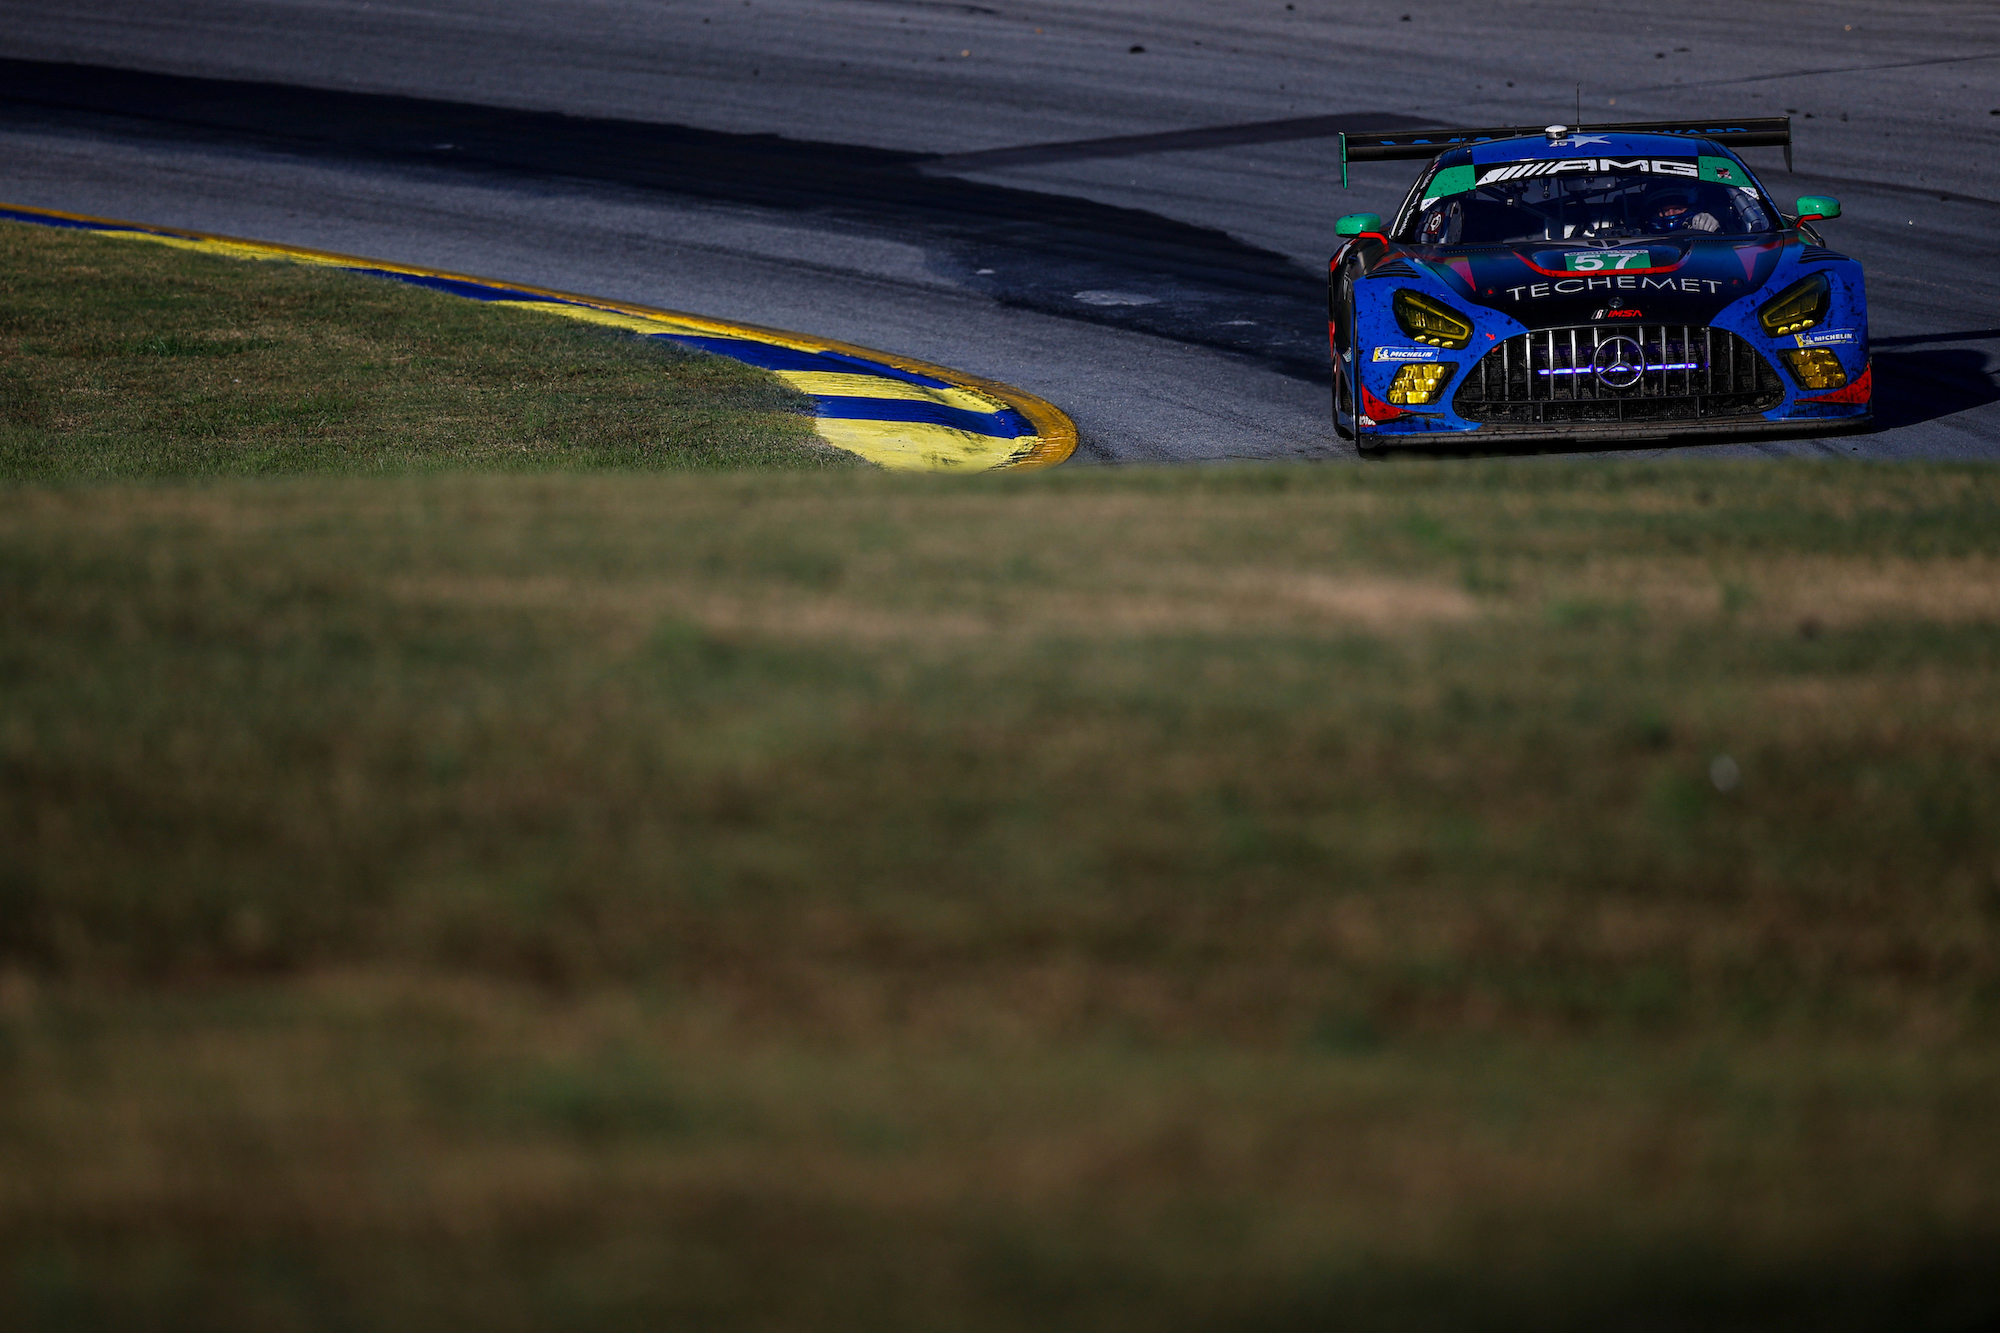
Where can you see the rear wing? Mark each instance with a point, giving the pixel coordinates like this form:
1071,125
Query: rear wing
1756,132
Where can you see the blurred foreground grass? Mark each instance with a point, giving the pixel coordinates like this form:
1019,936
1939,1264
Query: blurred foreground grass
129,358
1409,897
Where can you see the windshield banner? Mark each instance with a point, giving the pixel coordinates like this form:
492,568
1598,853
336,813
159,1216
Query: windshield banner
1590,166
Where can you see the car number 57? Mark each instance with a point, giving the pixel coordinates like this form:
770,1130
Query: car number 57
1591,261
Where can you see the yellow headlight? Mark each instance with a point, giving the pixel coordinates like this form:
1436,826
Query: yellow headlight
1798,307
1431,322
1815,367
1420,383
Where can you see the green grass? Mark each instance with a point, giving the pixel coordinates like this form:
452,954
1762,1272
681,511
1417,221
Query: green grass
128,359
1251,899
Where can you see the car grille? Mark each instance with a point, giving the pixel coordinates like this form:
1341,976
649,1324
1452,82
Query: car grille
1678,372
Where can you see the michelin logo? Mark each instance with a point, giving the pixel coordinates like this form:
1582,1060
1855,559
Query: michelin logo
1405,354
1652,166
1827,338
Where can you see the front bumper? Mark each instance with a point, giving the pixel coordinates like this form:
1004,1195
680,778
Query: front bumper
1627,431
1639,382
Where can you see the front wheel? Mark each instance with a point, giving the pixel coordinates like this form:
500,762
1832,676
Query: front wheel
1340,308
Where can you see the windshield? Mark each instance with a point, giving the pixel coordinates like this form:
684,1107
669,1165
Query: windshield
1580,205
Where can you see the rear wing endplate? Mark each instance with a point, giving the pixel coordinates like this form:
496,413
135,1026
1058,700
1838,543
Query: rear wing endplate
1756,132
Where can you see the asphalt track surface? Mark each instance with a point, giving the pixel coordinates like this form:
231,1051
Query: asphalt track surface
1139,236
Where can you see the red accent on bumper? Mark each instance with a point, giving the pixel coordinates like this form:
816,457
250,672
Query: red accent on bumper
1857,392
1376,408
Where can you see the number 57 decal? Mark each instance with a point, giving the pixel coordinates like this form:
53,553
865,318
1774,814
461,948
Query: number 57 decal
1592,261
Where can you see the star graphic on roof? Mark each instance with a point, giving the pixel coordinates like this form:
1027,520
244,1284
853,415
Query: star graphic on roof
1579,140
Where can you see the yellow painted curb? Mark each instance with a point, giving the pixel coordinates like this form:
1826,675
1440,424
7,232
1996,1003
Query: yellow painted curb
875,404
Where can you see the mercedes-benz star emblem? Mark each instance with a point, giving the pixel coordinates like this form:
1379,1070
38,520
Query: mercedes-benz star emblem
1619,363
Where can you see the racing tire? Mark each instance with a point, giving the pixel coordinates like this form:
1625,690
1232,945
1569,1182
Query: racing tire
1346,420
1340,299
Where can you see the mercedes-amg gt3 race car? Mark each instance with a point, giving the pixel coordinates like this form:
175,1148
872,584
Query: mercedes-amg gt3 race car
1630,282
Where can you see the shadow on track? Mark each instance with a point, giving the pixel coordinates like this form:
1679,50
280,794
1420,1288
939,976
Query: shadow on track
1914,387
1183,281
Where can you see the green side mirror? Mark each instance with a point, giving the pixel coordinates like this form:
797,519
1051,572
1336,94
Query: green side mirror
1356,223
1818,206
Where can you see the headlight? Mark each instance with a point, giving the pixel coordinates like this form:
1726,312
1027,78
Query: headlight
1798,307
1420,383
1432,322
1815,367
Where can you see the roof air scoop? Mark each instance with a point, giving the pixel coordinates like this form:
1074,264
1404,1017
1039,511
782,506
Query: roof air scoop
1557,133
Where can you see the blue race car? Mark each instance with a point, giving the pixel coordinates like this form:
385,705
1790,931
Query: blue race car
1627,282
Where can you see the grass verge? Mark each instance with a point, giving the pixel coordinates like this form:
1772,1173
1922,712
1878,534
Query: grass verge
128,359
1473,897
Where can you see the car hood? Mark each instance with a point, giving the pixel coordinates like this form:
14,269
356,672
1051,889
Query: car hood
1543,284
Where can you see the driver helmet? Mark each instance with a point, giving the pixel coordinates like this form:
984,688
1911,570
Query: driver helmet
1669,208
